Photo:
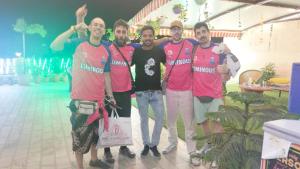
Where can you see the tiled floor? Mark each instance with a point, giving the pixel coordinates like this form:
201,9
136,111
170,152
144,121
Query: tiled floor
35,133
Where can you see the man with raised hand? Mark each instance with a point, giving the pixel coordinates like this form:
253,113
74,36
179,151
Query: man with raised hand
121,54
91,77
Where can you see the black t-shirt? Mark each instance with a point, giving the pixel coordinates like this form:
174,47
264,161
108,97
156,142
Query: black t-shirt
147,68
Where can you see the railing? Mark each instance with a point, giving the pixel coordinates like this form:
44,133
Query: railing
33,66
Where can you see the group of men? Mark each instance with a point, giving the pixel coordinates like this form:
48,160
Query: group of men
194,76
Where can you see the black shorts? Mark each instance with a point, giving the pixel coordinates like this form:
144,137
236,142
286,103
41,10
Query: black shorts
123,100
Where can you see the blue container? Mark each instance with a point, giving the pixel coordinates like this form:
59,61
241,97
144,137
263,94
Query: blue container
294,98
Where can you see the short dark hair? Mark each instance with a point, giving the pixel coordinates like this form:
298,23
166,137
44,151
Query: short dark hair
147,27
199,25
121,22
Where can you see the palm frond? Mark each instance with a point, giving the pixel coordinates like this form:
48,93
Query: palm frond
253,160
239,147
20,25
254,142
36,29
231,149
228,115
246,97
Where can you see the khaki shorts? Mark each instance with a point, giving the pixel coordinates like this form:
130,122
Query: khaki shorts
201,108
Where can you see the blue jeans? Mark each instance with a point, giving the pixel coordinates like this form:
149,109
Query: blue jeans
155,99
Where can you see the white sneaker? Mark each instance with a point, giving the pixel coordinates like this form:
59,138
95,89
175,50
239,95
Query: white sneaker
195,159
170,148
206,148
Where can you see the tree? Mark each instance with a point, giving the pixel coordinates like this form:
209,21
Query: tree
24,28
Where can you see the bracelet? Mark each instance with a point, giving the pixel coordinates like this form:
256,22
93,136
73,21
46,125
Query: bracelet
73,28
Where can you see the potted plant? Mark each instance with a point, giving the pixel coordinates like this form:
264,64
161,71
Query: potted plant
177,8
155,24
267,73
240,145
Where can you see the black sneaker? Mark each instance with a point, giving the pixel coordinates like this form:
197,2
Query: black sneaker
99,163
108,157
155,152
126,152
145,150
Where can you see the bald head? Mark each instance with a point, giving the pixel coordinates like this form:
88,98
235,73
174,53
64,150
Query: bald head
97,27
98,20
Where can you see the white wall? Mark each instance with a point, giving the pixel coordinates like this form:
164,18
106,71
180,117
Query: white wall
254,51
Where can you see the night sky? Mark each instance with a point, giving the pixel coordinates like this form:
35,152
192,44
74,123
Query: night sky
56,16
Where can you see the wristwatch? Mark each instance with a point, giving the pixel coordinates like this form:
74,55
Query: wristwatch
110,97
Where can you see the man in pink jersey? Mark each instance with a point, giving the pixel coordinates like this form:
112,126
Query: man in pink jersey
209,72
121,79
91,77
121,54
179,90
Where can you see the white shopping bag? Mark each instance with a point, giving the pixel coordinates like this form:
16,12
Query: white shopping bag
119,132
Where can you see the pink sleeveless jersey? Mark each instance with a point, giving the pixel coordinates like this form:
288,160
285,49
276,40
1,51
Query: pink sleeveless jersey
206,80
120,76
181,75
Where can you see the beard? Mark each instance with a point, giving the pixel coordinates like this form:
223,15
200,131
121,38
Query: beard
203,39
148,42
177,37
121,42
